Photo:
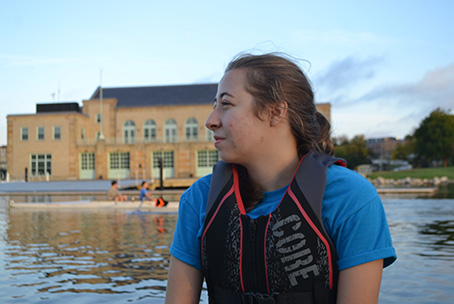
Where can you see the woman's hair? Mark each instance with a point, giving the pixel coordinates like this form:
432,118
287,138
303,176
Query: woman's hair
272,79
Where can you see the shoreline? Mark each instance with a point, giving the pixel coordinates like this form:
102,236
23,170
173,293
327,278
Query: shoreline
147,206
403,190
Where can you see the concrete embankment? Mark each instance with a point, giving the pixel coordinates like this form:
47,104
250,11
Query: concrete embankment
408,185
420,191
409,182
148,206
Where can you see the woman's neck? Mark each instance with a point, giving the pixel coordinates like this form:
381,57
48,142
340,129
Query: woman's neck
273,164
274,173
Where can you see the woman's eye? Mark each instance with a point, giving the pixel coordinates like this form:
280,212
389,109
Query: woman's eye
225,103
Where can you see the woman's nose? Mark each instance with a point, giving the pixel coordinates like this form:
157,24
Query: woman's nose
213,121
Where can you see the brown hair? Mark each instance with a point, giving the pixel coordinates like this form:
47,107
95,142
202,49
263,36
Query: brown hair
272,79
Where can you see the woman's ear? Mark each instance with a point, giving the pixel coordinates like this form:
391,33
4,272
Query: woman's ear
278,113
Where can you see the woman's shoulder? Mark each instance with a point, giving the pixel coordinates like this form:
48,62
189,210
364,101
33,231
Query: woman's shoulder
196,195
342,178
202,184
347,190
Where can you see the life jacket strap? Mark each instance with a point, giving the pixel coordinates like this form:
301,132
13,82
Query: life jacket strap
222,296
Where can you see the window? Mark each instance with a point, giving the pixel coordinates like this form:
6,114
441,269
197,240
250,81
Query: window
98,118
40,133
119,160
129,132
57,133
207,158
24,134
170,130
167,159
41,164
209,135
149,131
82,133
87,161
191,128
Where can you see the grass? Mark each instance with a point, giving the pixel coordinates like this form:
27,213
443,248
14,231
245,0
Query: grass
424,173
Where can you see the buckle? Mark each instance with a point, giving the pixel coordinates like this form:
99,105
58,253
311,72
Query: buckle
258,298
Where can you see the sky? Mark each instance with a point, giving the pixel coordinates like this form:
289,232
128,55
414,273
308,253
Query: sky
382,65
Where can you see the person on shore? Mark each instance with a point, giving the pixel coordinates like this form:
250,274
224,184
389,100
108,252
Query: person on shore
280,220
159,202
144,195
114,194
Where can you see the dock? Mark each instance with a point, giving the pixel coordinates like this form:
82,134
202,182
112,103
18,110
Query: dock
422,191
147,206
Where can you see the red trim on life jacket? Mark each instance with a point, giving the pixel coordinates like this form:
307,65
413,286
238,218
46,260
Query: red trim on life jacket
293,178
340,162
213,217
319,234
236,185
309,221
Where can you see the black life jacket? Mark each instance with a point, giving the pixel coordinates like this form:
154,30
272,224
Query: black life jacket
283,257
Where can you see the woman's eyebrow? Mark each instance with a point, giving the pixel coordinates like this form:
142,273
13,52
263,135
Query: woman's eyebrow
224,94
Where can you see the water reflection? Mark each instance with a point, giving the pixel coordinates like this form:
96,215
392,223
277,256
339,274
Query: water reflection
46,198
440,235
423,232
173,196
98,252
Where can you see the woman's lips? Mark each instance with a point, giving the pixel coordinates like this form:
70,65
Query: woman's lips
218,140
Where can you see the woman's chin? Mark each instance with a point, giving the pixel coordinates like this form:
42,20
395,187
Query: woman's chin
227,158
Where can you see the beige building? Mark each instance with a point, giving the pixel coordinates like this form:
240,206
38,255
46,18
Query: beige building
382,148
119,133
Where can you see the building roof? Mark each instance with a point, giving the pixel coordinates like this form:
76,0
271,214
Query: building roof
194,94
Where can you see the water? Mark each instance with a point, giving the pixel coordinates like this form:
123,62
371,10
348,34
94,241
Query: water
423,235
99,256
83,256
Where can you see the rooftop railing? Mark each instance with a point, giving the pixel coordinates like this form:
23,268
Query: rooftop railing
131,141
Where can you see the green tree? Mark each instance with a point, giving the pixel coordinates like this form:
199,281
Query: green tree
434,138
405,150
353,151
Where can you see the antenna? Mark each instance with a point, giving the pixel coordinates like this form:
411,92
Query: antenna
101,135
58,92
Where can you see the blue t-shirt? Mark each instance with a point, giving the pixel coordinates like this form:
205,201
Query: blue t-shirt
143,193
352,213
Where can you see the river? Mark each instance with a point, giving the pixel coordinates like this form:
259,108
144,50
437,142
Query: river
116,256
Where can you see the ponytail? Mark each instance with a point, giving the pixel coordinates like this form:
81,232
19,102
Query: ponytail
324,142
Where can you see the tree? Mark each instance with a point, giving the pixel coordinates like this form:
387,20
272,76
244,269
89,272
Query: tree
354,151
434,138
405,150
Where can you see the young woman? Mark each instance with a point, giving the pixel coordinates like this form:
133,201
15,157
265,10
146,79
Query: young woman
286,222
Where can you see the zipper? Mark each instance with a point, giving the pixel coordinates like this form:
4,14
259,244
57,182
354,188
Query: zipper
253,230
253,259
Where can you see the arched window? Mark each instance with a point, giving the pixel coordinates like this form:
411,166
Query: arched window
191,127
149,131
170,130
129,132
209,135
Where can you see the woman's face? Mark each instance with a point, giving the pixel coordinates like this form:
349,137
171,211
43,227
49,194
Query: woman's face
239,134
